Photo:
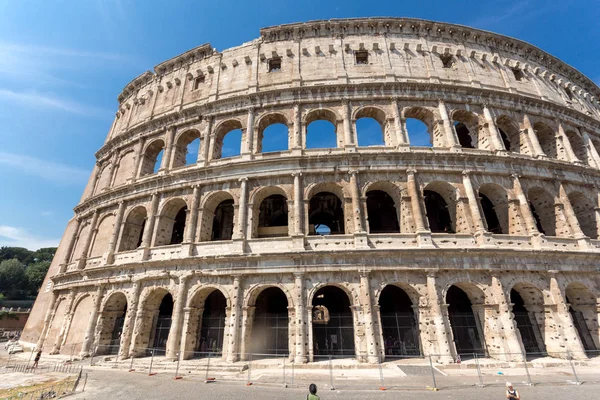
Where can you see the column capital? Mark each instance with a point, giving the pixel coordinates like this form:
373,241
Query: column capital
466,172
296,174
353,172
515,176
411,171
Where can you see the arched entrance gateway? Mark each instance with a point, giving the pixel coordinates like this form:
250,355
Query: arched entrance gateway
111,323
466,327
529,316
212,326
398,323
332,323
270,325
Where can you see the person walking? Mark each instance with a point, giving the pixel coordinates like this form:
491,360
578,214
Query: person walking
312,392
512,393
36,360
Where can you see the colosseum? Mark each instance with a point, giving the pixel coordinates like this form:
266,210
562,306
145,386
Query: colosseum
364,188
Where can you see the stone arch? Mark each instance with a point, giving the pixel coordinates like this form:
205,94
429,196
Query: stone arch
323,114
133,228
585,212
465,317
494,204
398,321
270,212
78,249
265,122
172,221
103,235
440,206
379,116
218,216
150,157
326,207
578,146
182,143
511,135
466,126
221,130
426,116
543,209
530,316
383,207
547,138
111,322
155,321
103,179
344,287
125,168
56,323
82,311
583,307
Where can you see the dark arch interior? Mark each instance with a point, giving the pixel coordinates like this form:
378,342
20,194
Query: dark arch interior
536,217
493,224
582,328
437,213
222,228
332,323
326,209
465,326
526,324
464,135
212,328
398,323
270,327
163,324
115,312
273,216
179,226
383,217
505,139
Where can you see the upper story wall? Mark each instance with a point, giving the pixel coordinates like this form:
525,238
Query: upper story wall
324,53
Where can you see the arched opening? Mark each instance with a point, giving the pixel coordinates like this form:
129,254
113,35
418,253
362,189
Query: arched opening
212,326
547,139
494,204
438,212
543,210
326,214
273,217
228,140
273,133
186,149
578,146
222,226
398,323
511,136
419,124
102,236
111,324
152,158
74,337
371,127
332,323
465,125
125,169
172,221
586,214
270,326
133,229
321,130
529,317
583,310
382,213
162,325
466,328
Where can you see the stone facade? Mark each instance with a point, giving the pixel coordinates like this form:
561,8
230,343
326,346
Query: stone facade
486,242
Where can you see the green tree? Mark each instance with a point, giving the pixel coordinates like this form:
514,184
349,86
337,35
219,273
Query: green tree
13,280
44,254
36,274
20,253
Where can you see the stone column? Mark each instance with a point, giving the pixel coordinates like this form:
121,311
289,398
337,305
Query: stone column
139,155
524,204
439,320
114,238
370,328
126,347
192,226
69,252
91,326
593,153
166,161
570,214
296,144
348,137
233,320
243,208
533,139
356,209
47,320
208,140
248,144
451,139
567,144
415,200
174,339
247,322
495,137
88,241
298,203
149,227
192,323
301,336
401,139
507,328
65,325
478,222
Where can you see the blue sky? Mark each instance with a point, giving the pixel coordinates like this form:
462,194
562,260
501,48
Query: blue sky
63,63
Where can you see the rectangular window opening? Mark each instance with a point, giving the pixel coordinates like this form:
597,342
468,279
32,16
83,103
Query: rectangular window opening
362,57
518,74
198,81
447,61
274,64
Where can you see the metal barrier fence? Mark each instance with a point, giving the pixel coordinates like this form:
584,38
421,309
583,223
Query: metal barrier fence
334,372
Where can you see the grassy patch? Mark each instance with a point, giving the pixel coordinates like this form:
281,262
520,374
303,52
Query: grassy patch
57,385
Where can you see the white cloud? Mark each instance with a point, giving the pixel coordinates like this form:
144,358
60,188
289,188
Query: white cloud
45,169
18,237
37,100
46,213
